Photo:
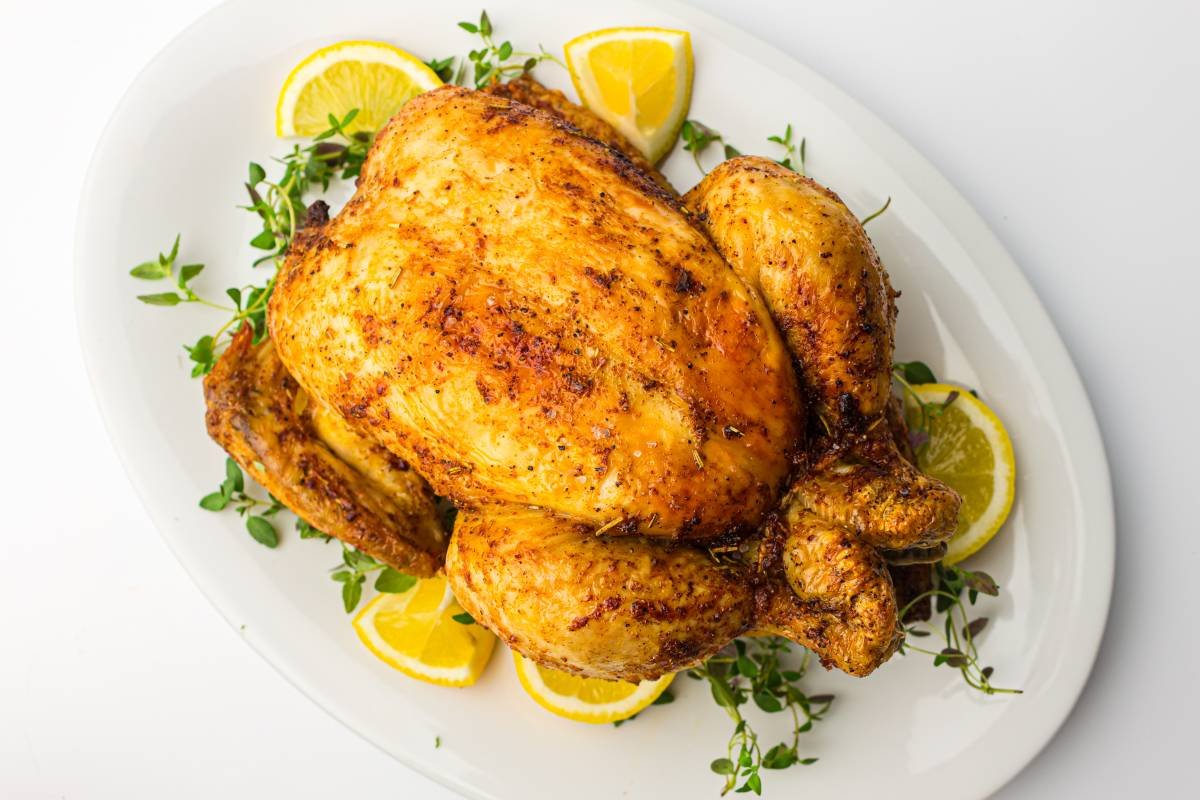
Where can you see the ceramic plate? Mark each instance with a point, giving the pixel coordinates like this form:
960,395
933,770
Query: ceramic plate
173,160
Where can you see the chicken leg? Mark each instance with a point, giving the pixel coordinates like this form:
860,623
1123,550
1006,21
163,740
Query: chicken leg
797,244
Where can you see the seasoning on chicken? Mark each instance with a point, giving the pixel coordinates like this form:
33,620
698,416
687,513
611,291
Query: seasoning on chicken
520,309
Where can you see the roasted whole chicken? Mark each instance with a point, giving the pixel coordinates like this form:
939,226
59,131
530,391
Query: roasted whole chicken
664,421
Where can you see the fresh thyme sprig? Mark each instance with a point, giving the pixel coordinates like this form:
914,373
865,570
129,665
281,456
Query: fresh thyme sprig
886,205
307,531
754,670
794,155
490,62
336,152
959,632
353,571
696,139
280,205
909,374
232,492
163,268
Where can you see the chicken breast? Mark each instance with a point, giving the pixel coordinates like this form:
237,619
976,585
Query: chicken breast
519,312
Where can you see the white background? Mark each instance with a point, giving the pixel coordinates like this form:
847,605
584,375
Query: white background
1073,128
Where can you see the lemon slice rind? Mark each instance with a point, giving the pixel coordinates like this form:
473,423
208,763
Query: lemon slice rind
318,63
653,144
574,708
981,530
464,673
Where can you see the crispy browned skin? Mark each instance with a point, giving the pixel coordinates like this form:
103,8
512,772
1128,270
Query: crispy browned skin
521,314
887,500
797,243
626,607
635,608
527,90
838,599
515,308
263,419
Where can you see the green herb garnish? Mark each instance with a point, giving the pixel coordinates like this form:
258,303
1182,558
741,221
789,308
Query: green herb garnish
696,139
886,204
754,671
909,374
280,205
490,62
163,268
353,571
958,632
232,492
793,157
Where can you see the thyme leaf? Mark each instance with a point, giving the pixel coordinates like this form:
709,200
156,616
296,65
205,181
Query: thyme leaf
754,670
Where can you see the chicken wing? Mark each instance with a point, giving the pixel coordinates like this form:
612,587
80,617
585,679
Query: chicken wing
337,481
519,312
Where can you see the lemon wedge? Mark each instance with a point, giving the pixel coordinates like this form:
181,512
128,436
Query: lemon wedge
639,80
416,633
586,699
970,451
374,77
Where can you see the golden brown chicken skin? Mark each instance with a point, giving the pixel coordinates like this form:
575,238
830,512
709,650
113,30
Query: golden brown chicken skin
527,90
794,241
516,310
628,607
265,421
636,608
836,598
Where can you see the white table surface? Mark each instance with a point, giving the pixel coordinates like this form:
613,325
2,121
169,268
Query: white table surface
1073,128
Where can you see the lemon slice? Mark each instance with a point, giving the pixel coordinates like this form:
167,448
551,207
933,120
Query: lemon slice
374,77
416,633
969,450
639,80
586,699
